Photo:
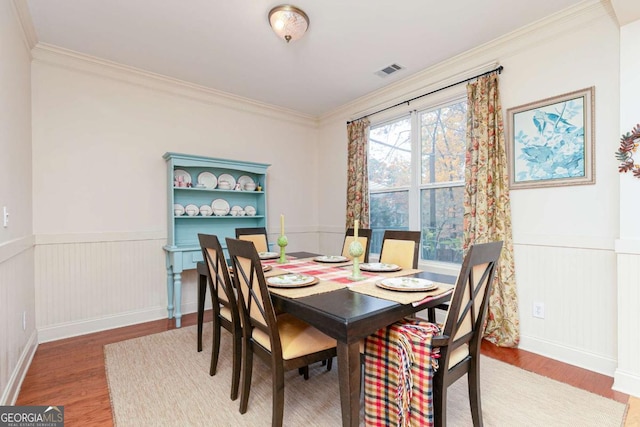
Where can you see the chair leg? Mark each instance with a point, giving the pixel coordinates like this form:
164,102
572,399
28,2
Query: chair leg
247,368
278,394
202,291
474,394
329,364
215,349
439,405
235,375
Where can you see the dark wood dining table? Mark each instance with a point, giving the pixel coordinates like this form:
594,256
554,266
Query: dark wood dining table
348,317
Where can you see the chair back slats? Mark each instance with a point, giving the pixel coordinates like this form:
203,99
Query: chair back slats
256,235
401,248
469,303
222,287
254,300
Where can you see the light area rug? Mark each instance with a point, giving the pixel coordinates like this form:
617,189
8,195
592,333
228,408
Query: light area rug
161,380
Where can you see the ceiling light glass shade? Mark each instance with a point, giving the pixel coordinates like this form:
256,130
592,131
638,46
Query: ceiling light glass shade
288,22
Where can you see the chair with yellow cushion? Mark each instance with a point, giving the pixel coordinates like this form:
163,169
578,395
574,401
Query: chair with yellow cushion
257,235
400,248
364,237
284,342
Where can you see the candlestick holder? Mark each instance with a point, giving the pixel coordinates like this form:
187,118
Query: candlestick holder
356,250
282,242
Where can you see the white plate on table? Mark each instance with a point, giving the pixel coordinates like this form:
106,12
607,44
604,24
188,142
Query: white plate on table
220,207
208,179
265,268
331,258
225,177
268,255
291,281
407,284
379,267
186,176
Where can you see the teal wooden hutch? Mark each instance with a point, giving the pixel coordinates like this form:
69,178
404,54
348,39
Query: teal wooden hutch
193,180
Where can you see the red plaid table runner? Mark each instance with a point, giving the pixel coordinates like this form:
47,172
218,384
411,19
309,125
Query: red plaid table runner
399,367
323,271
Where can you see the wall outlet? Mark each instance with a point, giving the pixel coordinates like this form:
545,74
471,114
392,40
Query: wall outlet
5,216
538,310
24,320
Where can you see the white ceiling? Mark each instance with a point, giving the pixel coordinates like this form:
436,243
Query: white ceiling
229,46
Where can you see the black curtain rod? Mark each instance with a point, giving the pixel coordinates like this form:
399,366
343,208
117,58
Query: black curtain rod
498,70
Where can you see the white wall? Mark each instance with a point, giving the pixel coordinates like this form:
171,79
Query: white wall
564,242
627,376
99,133
17,344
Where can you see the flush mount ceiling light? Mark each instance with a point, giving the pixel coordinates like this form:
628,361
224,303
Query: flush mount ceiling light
288,22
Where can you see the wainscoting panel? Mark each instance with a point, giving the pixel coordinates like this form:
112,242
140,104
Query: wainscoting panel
17,339
83,287
627,376
578,289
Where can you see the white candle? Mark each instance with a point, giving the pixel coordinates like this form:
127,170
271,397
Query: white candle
355,229
282,224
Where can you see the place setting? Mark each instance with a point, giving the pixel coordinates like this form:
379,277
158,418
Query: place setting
404,290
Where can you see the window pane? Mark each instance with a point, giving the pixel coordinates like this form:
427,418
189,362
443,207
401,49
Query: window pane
389,211
441,218
390,155
442,133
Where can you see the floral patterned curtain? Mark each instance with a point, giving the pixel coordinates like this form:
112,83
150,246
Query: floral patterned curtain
357,173
487,207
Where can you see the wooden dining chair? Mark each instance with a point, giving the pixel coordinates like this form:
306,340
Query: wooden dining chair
364,237
225,307
257,235
401,248
284,342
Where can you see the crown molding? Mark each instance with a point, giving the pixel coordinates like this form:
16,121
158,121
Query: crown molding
75,61
456,68
29,36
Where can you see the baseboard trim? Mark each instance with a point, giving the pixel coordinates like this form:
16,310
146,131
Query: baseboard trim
10,394
74,329
626,382
572,356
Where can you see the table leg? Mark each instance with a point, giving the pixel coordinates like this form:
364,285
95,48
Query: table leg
349,377
177,290
170,292
202,291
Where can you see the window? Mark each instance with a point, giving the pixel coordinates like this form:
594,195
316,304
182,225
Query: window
416,178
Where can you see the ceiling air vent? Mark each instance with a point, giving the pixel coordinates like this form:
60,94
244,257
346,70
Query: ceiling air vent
387,71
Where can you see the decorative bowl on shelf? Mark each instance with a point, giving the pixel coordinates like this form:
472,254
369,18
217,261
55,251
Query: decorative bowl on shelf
219,212
250,186
224,185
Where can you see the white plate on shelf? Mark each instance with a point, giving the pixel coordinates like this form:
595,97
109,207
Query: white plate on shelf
331,258
237,211
186,176
205,210
250,210
228,178
191,210
291,281
220,207
208,179
268,255
244,180
407,284
379,267
178,209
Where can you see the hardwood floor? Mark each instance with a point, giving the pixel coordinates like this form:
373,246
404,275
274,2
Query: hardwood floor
71,372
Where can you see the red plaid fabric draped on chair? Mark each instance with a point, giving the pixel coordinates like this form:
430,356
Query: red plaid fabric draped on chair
399,367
